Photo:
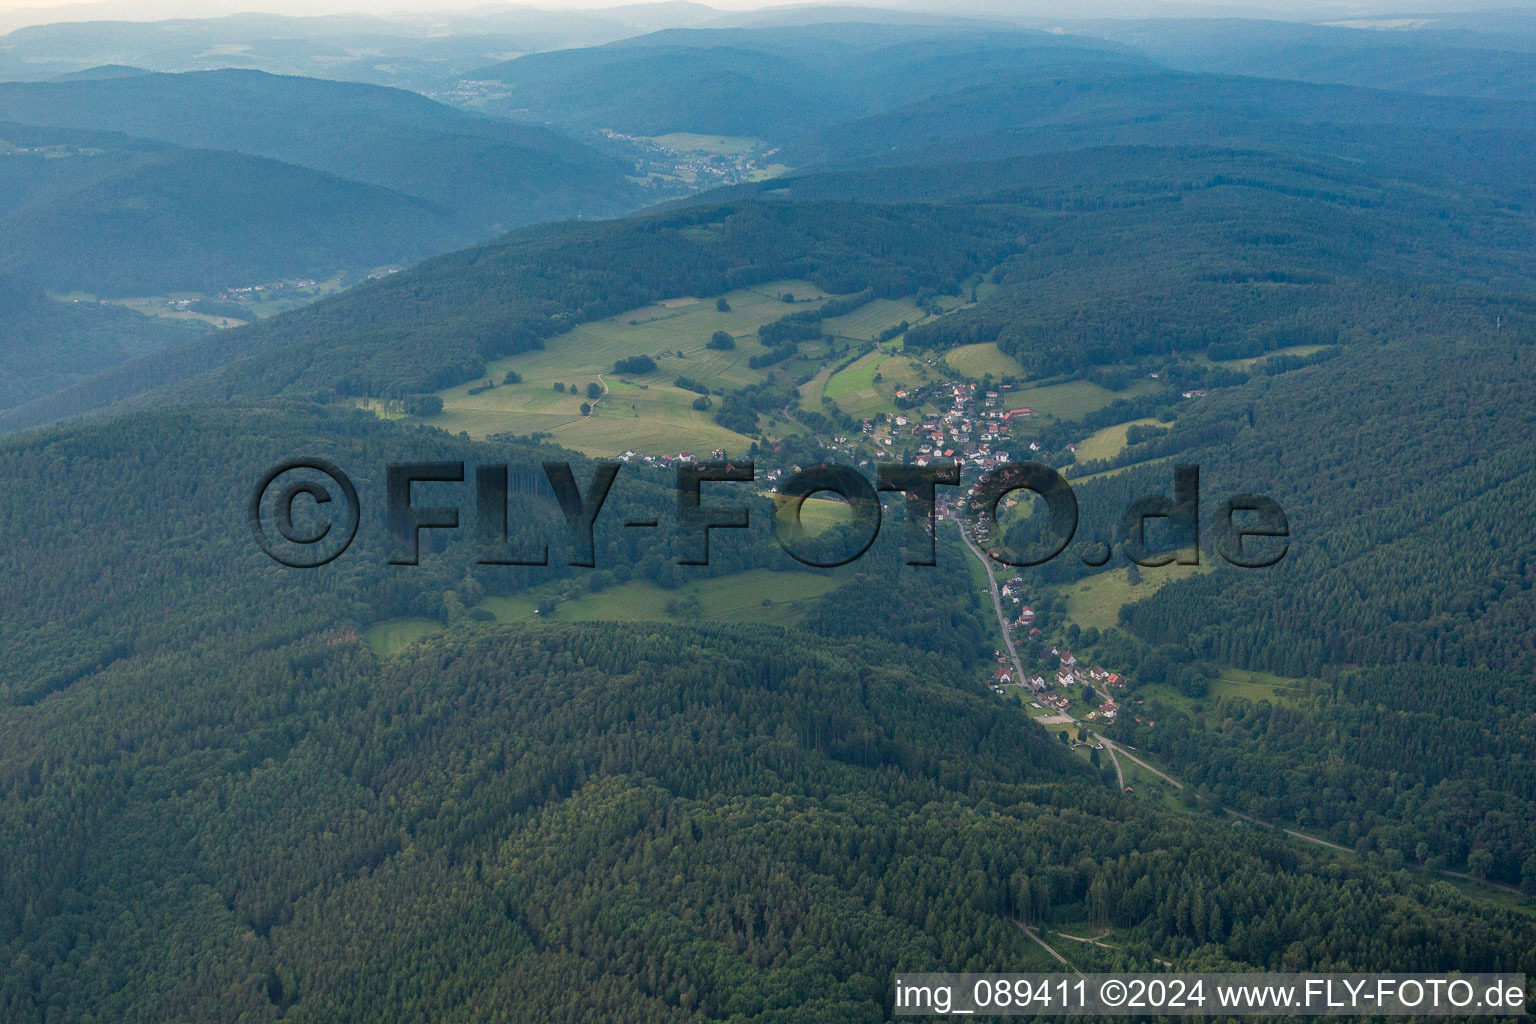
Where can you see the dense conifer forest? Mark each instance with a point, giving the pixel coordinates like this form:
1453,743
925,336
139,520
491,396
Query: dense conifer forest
430,781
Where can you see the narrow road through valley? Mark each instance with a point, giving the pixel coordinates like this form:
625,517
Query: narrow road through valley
1013,654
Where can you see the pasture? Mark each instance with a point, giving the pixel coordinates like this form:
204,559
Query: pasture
1109,442
818,514
1229,682
392,636
649,412
1072,400
976,361
858,393
873,317
1096,600
756,596
1244,364
718,145
644,412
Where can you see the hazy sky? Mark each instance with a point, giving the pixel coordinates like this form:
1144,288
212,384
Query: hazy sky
16,13
58,10
36,12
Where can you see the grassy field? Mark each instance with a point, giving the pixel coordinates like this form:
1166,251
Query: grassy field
1294,350
976,361
1148,787
856,391
646,413
818,515
872,318
1232,682
721,145
756,596
394,635
1106,473
1109,442
1096,601
1073,399
859,376
812,391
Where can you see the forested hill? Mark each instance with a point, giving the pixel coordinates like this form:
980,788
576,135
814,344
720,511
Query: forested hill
1439,57
115,216
775,84
1407,490
1030,112
1404,604
437,323
1247,253
208,773
492,174
47,345
1096,250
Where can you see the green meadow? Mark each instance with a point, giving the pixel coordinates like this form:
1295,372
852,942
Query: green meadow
1230,682
1244,364
1097,600
1073,399
1109,442
976,361
720,145
755,596
858,393
646,412
394,635
864,323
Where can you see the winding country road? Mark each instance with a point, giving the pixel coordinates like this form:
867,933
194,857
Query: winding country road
1117,751
1013,654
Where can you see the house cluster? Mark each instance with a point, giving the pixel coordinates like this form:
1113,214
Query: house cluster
972,430
727,168
1056,700
1071,673
661,460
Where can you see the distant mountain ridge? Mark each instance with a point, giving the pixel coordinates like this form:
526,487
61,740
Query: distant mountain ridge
770,83
404,50
1439,59
492,174
159,218
1440,138
47,345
